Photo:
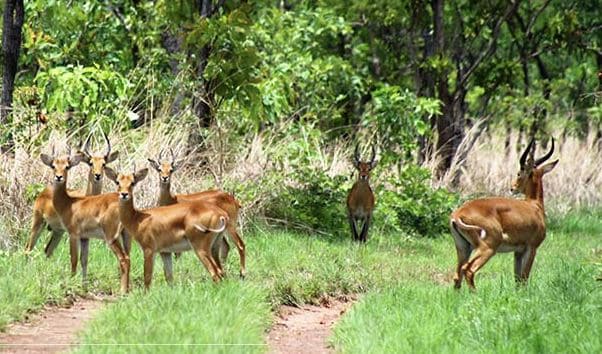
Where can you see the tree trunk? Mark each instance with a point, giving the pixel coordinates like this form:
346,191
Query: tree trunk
11,45
449,134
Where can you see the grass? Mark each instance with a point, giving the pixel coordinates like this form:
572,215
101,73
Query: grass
560,310
408,302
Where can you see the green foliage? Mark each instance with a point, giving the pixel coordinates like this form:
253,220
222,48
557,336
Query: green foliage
399,117
409,203
33,190
91,91
316,201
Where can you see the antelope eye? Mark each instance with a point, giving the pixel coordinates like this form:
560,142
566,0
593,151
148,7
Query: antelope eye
68,167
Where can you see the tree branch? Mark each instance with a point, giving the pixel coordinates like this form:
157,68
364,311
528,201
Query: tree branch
491,46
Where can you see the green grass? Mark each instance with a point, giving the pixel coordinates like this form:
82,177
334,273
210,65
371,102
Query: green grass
559,311
408,303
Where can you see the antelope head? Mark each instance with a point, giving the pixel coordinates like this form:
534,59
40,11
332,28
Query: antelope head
98,161
364,167
126,182
165,168
61,165
530,173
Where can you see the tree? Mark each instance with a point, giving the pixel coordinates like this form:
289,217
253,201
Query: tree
11,45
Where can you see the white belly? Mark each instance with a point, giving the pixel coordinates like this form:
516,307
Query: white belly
180,246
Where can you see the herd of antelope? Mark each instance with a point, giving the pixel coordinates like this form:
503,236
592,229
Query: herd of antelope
197,221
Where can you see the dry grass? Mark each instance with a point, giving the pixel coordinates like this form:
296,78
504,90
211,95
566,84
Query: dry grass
575,183
240,164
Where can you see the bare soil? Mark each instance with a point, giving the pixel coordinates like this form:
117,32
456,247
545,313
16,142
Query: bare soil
52,330
306,329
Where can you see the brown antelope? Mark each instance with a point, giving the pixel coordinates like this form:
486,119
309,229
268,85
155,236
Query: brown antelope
223,200
166,229
85,217
360,201
493,225
43,210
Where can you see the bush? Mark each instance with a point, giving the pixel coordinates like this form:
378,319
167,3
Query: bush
317,201
409,203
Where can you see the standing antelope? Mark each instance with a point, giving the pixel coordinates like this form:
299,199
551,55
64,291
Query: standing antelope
360,201
43,210
223,200
84,217
166,229
493,225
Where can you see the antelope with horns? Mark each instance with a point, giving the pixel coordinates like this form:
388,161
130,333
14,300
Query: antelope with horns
221,199
85,217
166,229
492,225
360,201
43,209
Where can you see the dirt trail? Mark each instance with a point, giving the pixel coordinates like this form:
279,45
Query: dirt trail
305,329
53,330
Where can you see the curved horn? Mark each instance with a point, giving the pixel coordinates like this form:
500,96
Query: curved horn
356,154
544,158
108,143
373,154
173,157
160,155
523,157
86,147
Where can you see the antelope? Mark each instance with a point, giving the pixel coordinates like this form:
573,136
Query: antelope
166,229
360,201
223,200
492,225
85,217
43,209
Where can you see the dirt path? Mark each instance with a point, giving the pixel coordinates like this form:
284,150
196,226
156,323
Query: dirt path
305,329
53,330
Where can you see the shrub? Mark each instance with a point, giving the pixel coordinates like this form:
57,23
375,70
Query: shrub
409,203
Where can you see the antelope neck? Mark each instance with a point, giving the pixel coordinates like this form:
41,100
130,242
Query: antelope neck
165,196
60,199
128,214
535,191
94,186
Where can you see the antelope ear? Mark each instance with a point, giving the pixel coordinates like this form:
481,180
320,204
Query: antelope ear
111,174
176,165
140,175
47,160
549,167
154,165
112,157
85,156
75,159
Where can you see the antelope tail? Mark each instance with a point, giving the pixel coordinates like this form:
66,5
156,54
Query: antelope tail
203,228
465,226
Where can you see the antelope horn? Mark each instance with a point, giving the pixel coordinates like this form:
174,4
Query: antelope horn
86,146
356,154
373,154
160,155
108,143
527,151
544,158
173,157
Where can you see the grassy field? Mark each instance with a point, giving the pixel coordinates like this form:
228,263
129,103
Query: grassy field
409,303
560,310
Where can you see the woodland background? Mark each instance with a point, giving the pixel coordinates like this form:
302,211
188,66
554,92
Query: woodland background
267,99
